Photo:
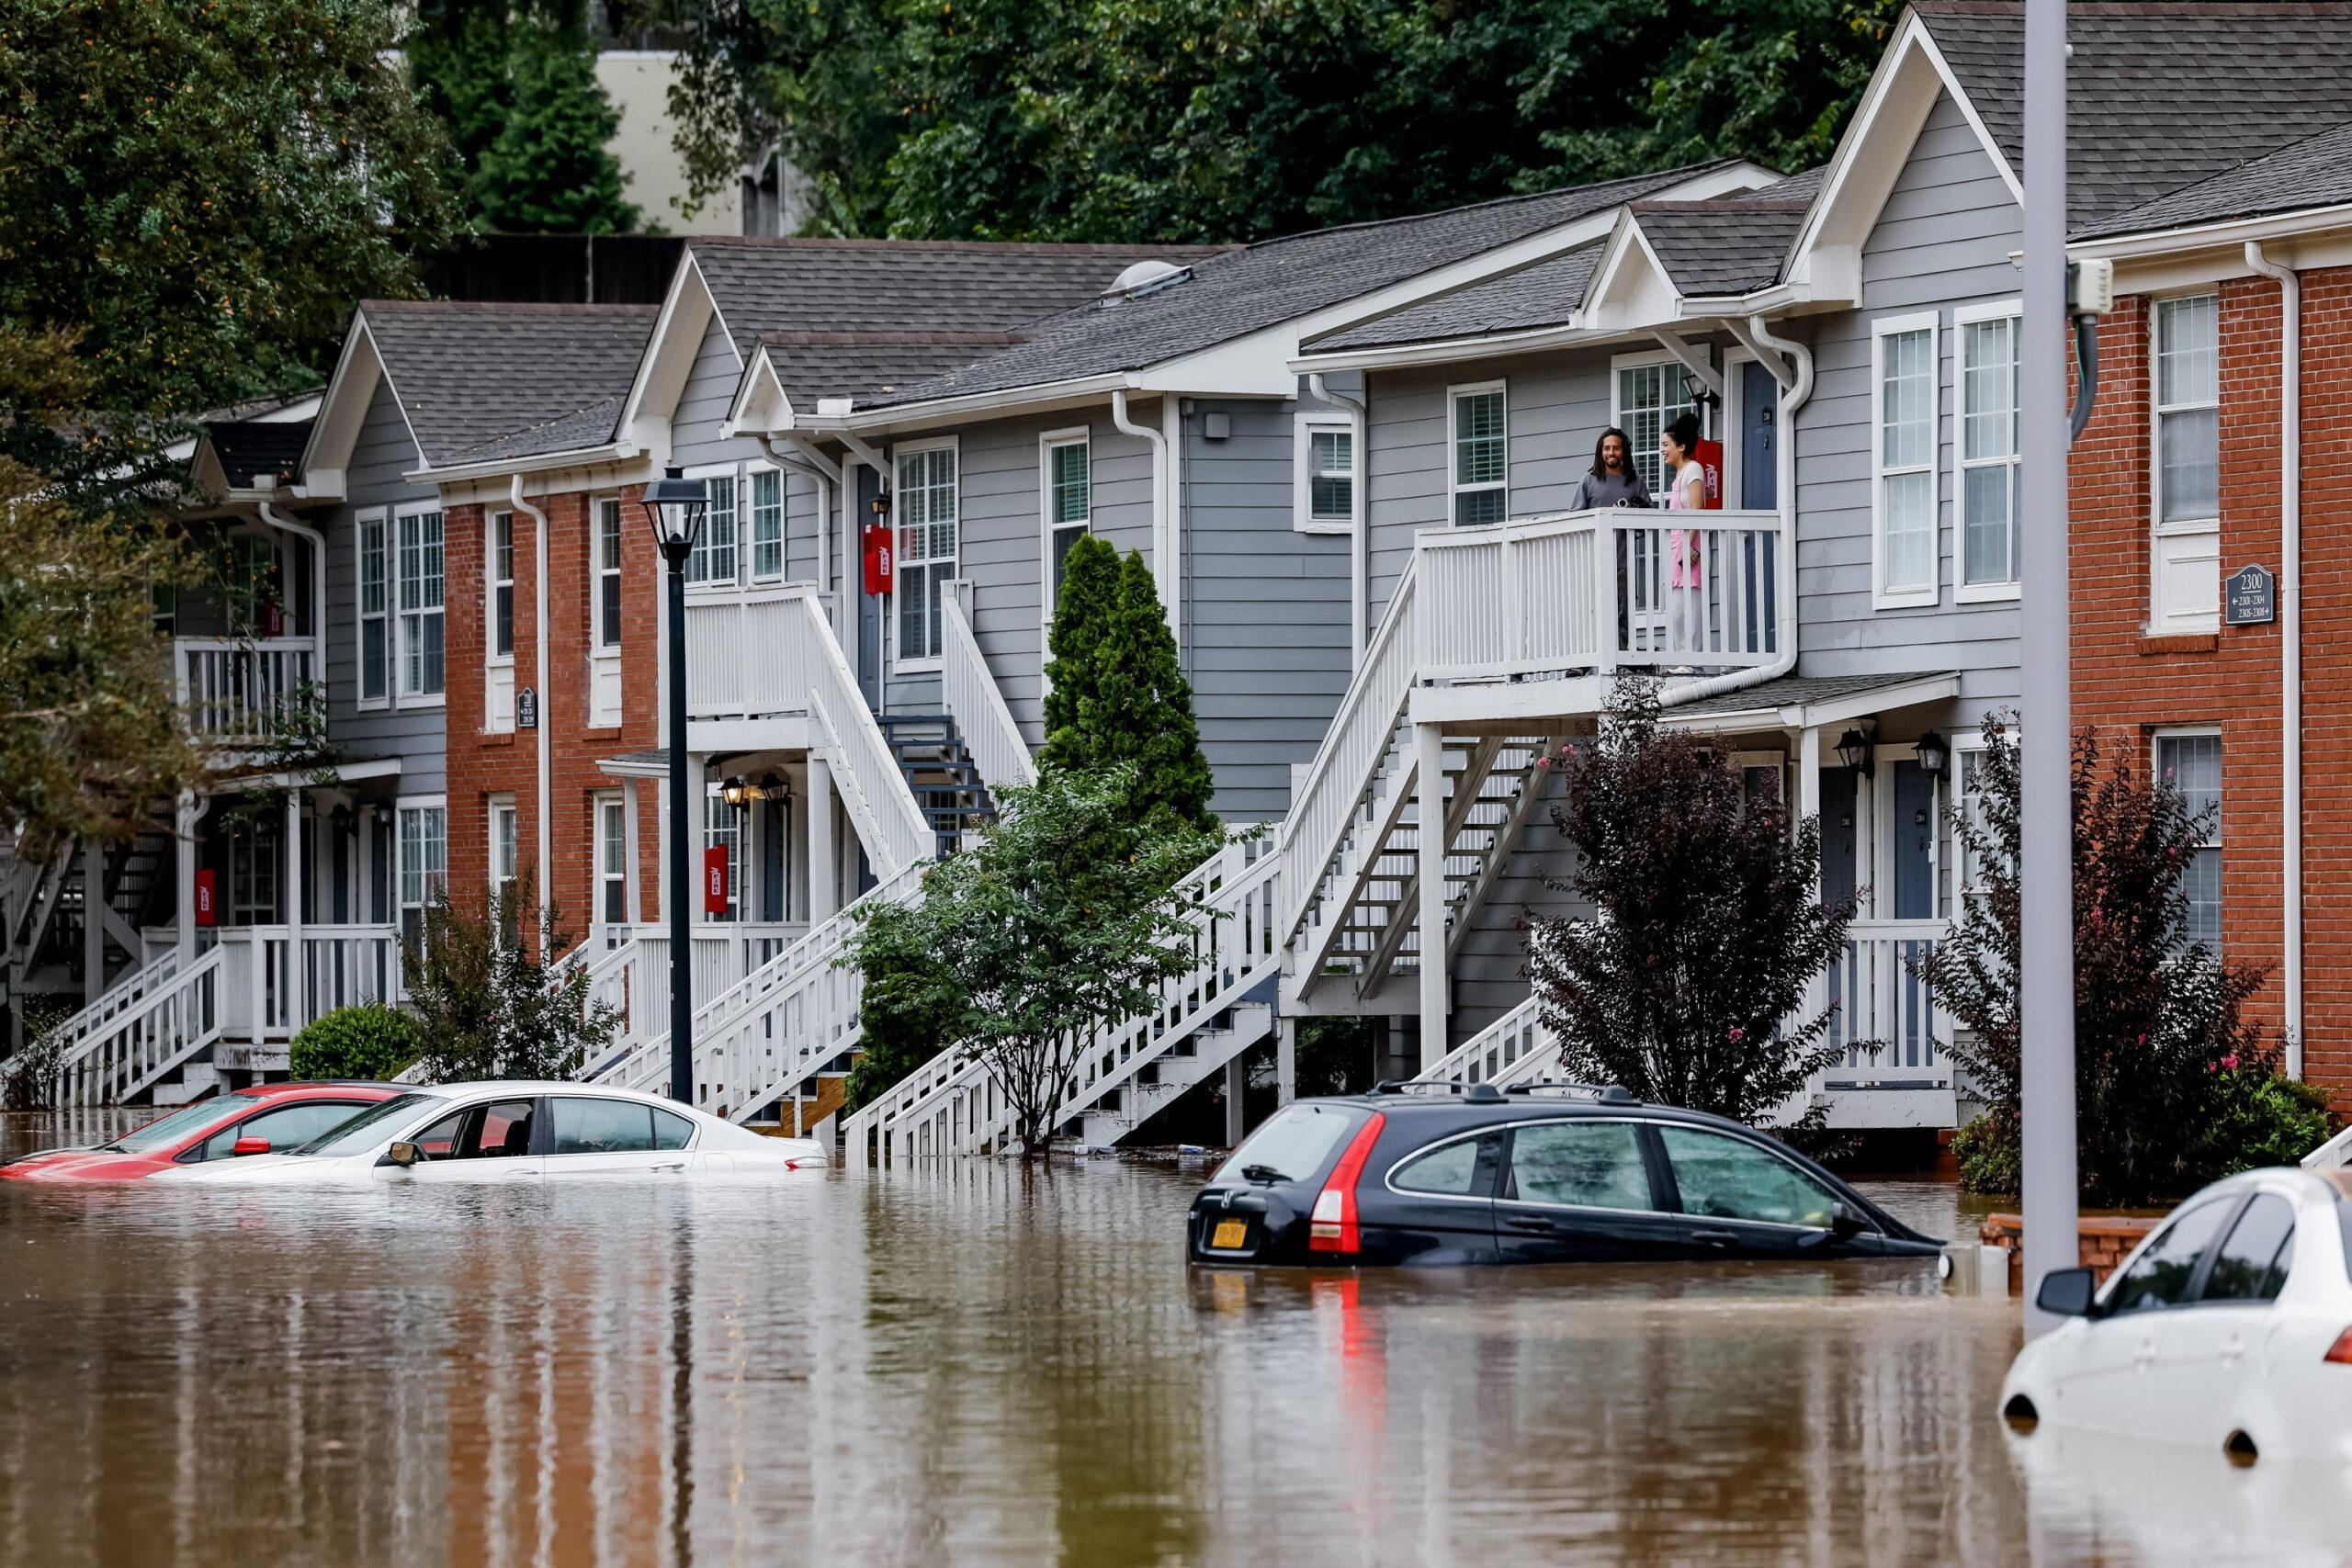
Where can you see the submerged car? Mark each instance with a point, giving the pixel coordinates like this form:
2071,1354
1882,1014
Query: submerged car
506,1131
245,1124
1420,1173
2229,1326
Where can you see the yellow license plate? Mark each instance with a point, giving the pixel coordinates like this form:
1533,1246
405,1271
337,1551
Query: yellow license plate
1230,1234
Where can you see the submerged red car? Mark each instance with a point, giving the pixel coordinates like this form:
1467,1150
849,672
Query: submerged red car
267,1118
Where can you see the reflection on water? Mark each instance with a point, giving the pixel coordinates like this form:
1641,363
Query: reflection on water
959,1366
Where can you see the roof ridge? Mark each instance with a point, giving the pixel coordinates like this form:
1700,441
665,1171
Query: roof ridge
976,247
1684,170
462,453
529,306
1724,204
884,338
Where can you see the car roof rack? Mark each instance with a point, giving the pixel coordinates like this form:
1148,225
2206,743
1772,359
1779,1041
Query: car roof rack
1606,1093
1479,1092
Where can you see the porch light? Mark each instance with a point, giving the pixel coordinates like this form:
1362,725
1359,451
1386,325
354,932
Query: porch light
735,792
673,507
1854,750
1935,754
775,786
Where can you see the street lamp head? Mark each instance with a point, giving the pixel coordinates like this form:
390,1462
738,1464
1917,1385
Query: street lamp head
1934,754
1854,750
674,506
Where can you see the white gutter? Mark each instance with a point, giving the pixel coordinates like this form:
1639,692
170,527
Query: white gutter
269,513
1360,541
540,676
1792,397
1164,569
500,468
2253,230
2290,635
827,473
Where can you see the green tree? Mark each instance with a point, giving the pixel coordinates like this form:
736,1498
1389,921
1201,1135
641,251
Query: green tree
907,1009
1686,981
1059,924
490,1007
1083,612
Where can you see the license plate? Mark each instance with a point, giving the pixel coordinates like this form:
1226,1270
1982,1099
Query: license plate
1230,1234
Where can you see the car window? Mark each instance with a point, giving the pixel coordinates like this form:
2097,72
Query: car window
1723,1178
2160,1277
1449,1170
1293,1143
440,1140
2250,1264
360,1135
500,1130
672,1130
1593,1165
165,1130
585,1126
288,1127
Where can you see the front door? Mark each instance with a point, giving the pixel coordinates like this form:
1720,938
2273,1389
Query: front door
487,1140
1760,436
1914,842
2104,1381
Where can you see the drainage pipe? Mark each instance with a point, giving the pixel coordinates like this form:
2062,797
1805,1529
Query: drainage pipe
2290,635
539,678
1360,550
1164,565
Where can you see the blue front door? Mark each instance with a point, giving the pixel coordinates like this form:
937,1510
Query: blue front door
1760,436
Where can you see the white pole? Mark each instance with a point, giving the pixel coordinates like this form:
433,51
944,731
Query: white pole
2046,989
1429,743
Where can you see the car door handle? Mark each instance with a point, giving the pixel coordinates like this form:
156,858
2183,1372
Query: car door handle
2145,1353
1529,1223
672,1165
2231,1349
1716,1239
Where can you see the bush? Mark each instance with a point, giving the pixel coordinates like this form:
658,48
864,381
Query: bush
2259,1118
1987,1150
370,1040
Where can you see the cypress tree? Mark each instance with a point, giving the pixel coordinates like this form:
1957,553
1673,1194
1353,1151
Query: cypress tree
1141,709
551,168
1082,616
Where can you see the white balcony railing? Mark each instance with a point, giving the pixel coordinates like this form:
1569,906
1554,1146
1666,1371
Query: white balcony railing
268,993
1881,1003
749,654
239,692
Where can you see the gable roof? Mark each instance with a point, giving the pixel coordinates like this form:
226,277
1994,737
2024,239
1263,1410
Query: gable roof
248,449
1260,286
508,380
1713,248
1544,295
864,365
2315,172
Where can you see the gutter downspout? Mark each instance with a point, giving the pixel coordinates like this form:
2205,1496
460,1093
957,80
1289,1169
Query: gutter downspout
269,513
827,474
539,674
1792,397
2290,635
1359,546
1163,566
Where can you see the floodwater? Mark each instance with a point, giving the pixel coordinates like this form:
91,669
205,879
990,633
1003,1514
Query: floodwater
961,1365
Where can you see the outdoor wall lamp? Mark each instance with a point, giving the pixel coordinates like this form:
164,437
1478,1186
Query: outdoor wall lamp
735,792
1935,755
1854,750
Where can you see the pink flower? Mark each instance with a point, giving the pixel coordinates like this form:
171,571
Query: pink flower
1738,1035
2231,1061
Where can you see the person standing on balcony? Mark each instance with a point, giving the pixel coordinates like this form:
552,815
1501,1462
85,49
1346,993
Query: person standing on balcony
1612,481
1686,492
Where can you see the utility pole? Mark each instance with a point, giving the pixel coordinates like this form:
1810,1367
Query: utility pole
2046,981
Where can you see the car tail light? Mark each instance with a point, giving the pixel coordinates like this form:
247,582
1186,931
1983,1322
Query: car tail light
1333,1226
2341,1351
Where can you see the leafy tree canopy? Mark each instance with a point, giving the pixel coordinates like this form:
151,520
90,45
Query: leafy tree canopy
490,1006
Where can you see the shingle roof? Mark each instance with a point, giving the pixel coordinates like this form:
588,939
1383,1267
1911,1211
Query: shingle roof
1721,247
507,380
768,286
248,449
1797,690
2161,95
2312,172
1272,281
862,365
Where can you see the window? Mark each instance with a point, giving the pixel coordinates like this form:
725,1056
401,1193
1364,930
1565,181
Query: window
1903,401
1323,478
253,873
2159,1277
1450,1170
423,863
1969,764
1730,1179
498,1131
713,560
767,523
420,605
1070,506
502,586
612,861
1592,1165
1480,487
723,829
608,572
1294,1143
2191,764
286,1129
254,605
2186,560
2253,1262
1651,395
1990,490
504,856
375,601
927,526
584,1126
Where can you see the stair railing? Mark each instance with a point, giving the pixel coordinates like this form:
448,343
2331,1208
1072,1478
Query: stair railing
974,700
112,1056
1515,1048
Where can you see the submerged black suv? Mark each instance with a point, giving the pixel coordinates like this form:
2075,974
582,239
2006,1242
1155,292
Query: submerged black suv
1440,1173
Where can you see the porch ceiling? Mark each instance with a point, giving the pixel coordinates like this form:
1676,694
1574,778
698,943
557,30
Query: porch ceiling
1800,701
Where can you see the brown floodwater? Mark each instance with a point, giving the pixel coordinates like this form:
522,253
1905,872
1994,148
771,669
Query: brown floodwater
961,1365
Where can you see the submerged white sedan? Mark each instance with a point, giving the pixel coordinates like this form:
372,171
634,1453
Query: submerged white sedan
512,1131
2229,1327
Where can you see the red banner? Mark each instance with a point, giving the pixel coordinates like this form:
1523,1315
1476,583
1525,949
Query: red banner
1709,454
208,912
714,880
881,561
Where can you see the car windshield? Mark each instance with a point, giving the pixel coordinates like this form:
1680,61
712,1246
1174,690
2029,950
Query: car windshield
165,1130
362,1131
1291,1145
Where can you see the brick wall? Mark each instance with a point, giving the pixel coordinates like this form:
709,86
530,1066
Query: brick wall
2102,1241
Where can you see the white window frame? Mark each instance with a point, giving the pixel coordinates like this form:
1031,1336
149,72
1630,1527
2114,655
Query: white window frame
402,610
1049,527
492,583
708,586
1884,597
899,452
747,524
1965,591
402,808
506,854
2215,841
1455,489
599,569
380,519
739,858
2162,622
1307,424
1617,417
608,838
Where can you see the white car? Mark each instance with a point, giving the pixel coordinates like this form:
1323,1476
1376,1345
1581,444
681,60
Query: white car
2229,1327
508,1132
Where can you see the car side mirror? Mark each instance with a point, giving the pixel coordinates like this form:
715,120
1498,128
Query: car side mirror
2067,1292
403,1154
250,1147
1845,1220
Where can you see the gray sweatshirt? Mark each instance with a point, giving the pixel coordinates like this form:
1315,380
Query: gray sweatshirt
1596,490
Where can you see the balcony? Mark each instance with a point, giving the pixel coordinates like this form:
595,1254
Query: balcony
239,692
753,654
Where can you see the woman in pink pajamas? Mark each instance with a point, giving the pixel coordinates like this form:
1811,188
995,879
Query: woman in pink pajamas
1686,491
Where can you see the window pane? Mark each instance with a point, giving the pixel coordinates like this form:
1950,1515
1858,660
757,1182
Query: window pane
1908,406
1478,444
1910,531
1294,1143
2251,1264
371,569
2188,357
670,1131
288,1128
2160,1278
1476,506
601,1127
1988,389
1072,484
1064,538
1985,500
713,559
372,659
2190,468
767,523
1730,1179
1594,1165
1450,1171
1650,397
1330,499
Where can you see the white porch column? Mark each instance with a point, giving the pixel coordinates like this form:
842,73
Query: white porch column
296,982
635,907
824,875
1427,744
697,817
1287,1059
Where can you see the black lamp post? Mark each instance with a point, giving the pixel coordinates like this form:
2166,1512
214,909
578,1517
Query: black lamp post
673,507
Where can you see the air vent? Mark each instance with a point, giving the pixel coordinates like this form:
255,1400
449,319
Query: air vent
1146,278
